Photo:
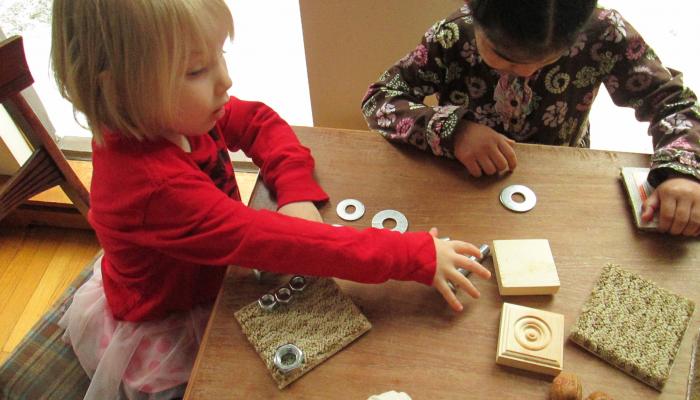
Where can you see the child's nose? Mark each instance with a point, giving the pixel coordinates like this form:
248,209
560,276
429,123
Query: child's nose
224,81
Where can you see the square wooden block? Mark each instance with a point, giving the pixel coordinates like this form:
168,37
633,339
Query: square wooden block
525,267
531,339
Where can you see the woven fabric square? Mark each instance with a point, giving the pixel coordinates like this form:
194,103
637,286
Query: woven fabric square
633,324
321,321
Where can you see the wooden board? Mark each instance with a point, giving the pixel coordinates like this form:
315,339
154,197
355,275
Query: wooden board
525,267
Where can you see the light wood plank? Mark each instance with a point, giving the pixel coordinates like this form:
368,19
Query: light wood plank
69,259
11,240
3,356
23,276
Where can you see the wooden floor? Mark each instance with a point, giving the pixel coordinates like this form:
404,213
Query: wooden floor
38,263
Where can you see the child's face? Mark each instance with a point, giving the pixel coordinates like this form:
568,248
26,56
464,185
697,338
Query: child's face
203,88
497,60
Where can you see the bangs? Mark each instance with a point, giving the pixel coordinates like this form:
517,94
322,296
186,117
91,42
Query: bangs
199,25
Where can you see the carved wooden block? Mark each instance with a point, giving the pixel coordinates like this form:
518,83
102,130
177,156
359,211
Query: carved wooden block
531,339
525,267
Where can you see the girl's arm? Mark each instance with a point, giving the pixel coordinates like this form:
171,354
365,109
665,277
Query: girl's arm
189,219
286,165
394,105
658,96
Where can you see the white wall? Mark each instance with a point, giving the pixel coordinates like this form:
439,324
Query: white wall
671,28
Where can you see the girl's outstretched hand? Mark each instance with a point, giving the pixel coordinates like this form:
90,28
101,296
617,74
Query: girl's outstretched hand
302,209
483,150
678,202
450,255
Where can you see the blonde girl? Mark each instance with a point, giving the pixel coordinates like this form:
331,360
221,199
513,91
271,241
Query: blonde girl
150,78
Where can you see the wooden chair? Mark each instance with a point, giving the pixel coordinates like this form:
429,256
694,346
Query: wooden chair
46,167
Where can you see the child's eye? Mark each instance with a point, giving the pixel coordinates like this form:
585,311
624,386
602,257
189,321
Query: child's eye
196,72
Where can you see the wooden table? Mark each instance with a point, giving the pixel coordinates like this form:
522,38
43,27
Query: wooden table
417,344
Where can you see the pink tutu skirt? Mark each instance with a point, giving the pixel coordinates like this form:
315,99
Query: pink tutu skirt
131,360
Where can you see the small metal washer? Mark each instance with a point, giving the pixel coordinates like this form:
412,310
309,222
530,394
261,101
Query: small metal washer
526,192
341,209
380,217
288,357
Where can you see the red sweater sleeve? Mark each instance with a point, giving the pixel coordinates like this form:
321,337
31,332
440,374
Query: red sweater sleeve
285,165
212,229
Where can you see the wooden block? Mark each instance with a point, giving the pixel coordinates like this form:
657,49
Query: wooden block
531,339
524,267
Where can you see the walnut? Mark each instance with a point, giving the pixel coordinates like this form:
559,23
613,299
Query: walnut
566,386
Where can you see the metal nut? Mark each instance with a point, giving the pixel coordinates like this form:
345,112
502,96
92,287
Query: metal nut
297,283
267,302
288,357
283,295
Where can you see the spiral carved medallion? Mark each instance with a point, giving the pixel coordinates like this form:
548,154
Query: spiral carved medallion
532,333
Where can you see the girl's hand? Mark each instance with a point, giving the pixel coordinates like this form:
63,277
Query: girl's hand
302,209
483,150
451,254
678,202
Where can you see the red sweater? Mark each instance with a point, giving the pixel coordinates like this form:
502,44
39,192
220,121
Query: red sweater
170,221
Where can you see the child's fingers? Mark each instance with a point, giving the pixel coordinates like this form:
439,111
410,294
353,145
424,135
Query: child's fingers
449,297
500,161
486,164
433,232
472,266
473,167
465,248
650,206
459,280
509,153
666,213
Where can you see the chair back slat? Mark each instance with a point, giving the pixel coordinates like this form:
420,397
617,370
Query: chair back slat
14,71
47,166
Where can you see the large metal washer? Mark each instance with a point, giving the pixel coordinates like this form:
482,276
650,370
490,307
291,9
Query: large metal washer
380,217
526,192
341,209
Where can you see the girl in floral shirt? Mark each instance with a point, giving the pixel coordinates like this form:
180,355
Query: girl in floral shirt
506,71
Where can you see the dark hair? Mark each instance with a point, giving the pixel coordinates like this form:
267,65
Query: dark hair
532,27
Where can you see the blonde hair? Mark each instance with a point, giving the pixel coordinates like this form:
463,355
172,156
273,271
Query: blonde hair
119,61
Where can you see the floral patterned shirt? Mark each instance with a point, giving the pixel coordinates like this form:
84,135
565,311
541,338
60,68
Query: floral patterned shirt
549,107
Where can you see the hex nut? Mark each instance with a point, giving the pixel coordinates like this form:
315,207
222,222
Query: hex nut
267,302
283,295
297,283
288,357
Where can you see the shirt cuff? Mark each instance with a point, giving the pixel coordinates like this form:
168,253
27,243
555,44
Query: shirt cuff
296,186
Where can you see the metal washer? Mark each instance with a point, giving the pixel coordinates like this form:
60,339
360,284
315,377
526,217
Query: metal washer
380,217
526,192
341,209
